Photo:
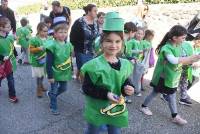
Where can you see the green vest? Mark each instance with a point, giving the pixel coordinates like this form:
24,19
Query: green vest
188,50
6,49
103,75
62,64
196,71
170,72
146,44
132,45
23,36
34,57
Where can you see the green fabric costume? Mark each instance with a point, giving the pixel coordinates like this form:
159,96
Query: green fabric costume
23,35
6,49
170,72
62,64
35,57
103,75
196,71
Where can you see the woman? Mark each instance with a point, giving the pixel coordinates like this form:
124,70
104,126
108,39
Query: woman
83,33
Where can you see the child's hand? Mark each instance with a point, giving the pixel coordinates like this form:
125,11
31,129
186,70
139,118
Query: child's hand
196,65
6,58
129,90
113,97
51,80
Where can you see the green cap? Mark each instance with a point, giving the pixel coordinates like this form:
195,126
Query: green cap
113,22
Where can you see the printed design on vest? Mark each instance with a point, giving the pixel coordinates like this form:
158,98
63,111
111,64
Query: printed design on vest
65,65
114,108
42,58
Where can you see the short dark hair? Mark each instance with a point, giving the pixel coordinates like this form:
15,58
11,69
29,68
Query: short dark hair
24,22
130,27
100,14
55,3
48,20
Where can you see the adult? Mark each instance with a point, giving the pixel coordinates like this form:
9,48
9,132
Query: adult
7,12
60,14
83,33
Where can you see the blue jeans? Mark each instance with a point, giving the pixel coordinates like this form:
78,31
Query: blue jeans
82,58
57,88
11,85
92,129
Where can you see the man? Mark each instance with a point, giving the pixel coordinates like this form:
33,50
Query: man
7,12
60,14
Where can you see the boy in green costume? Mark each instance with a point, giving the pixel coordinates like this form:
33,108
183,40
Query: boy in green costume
59,64
8,52
106,79
23,35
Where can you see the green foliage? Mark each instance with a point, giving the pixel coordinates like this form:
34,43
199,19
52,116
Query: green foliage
79,4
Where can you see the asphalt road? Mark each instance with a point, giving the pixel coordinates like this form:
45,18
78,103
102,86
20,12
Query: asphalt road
31,115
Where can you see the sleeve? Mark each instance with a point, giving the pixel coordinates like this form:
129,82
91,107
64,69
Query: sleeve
49,64
13,21
126,83
76,34
172,59
92,90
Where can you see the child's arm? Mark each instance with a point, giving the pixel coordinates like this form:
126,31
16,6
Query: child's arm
92,90
33,49
49,65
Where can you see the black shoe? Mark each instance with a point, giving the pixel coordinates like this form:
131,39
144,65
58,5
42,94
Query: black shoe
128,101
20,61
185,102
143,89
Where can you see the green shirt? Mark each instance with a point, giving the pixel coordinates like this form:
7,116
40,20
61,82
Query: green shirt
196,71
62,64
6,49
103,75
132,45
170,72
23,36
35,57
146,44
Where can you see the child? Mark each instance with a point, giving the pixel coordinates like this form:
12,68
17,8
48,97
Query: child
23,35
58,66
38,55
129,33
146,44
105,80
139,67
100,21
7,53
168,71
48,21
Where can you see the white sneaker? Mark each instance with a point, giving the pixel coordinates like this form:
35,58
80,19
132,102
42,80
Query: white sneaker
138,94
146,111
178,120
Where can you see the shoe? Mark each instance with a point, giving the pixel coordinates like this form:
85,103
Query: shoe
43,88
164,97
54,112
128,101
146,111
20,61
185,102
39,92
138,94
13,99
143,89
178,120
26,63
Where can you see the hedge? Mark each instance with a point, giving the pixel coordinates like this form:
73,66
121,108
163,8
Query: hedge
78,4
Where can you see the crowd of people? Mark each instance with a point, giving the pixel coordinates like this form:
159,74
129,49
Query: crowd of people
112,57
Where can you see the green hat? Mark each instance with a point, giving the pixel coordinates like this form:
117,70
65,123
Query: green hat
113,22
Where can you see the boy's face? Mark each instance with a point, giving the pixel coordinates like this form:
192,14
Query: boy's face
61,34
6,28
101,20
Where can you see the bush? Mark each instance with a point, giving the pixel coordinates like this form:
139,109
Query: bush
78,4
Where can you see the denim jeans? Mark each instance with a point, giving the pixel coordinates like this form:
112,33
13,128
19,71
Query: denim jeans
57,88
82,58
92,129
11,85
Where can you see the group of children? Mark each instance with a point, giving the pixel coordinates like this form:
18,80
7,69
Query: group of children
124,55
